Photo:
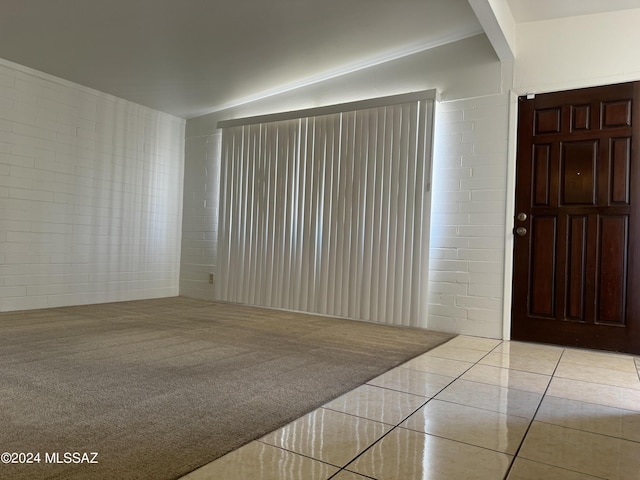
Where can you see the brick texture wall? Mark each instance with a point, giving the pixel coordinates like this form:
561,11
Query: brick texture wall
466,269
90,195
200,221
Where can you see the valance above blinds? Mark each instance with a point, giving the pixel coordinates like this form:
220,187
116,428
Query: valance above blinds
327,210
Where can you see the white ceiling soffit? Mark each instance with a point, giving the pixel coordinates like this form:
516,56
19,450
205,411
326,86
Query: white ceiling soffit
498,24
190,57
536,10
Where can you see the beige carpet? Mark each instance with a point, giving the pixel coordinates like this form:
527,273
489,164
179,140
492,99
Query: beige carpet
160,387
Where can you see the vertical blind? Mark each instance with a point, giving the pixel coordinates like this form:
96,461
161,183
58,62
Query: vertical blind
329,213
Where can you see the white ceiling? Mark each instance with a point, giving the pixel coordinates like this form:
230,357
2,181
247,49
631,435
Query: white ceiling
190,57
537,10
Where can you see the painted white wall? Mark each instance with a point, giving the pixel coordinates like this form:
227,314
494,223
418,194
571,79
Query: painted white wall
469,178
90,195
577,52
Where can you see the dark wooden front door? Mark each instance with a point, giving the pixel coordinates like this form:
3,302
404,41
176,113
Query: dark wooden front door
577,228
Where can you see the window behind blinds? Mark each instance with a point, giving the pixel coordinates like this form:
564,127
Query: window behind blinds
328,212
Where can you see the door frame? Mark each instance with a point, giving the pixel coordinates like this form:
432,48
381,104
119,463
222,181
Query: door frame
509,215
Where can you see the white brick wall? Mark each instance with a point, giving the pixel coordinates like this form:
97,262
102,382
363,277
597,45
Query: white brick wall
200,220
90,195
468,216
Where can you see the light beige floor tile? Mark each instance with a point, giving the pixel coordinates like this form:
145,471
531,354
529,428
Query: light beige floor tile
492,397
345,475
410,455
610,396
259,461
327,435
441,366
379,404
456,353
412,381
482,428
518,362
590,417
474,343
524,469
582,452
535,350
613,361
608,376
503,377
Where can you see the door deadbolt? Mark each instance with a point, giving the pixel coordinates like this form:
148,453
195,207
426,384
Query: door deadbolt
522,216
521,231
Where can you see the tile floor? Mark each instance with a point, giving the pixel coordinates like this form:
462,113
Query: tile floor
472,408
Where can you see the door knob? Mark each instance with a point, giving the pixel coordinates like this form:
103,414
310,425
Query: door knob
521,231
522,216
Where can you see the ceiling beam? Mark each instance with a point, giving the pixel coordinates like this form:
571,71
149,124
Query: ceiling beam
498,24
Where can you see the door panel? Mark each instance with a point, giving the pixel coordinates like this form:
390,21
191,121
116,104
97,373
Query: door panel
578,171
620,158
543,231
542,164
576,270
613,266
576,256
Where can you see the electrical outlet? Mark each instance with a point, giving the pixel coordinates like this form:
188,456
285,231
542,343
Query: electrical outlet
211,278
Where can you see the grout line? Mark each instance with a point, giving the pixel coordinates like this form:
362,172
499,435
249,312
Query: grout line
524,437
459,441
589,475
488,409
349,471
397,425
589,431
295,453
